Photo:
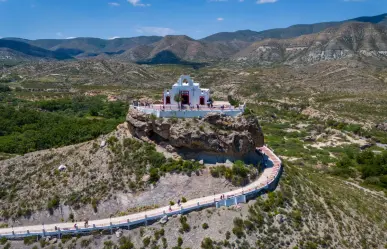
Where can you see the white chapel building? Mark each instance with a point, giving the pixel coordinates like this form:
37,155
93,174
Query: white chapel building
190,92
195,102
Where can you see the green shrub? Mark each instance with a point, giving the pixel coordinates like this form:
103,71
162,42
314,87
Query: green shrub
165,244
125,243
154,175
42,243
238,229
228,235
207,243
53,203
232,101
296,217
174,120
71,217
205,226
29,240
179,241
146,241
237,175
249,225
65,238
85,243
94,205
3,240
108,245
4,88
185,227
183,200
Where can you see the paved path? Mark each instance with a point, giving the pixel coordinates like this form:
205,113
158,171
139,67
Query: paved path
269,175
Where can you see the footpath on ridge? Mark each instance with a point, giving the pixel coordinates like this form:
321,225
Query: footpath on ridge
269,176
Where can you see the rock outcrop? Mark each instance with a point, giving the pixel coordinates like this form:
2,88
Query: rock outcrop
214,133
382,126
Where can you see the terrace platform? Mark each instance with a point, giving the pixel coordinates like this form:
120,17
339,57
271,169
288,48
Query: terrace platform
170,111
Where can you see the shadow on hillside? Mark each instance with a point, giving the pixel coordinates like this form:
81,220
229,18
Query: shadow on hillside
214,158
168,57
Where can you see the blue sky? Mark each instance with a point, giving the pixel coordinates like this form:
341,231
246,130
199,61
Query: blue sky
35,19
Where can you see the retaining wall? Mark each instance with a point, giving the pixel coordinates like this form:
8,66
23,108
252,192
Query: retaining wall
187,113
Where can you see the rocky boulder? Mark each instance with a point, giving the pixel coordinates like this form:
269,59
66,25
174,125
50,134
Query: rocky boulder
215,133
382,126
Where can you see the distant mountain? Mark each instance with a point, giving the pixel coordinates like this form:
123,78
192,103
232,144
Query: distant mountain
349,40
87,46
270,46
179,47
14,50
290,32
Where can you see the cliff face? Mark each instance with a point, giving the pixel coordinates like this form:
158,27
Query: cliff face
212,134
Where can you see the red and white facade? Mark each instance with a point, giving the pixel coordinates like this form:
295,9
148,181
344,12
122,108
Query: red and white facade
190,92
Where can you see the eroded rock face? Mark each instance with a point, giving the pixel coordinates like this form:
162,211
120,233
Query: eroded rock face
214,133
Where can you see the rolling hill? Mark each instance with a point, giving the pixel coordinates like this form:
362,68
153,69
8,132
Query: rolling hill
88,46
181,47
14,51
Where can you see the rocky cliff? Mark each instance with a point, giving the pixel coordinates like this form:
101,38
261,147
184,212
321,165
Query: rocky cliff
214,133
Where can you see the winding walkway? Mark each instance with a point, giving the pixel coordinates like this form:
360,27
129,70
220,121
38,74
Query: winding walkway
267,179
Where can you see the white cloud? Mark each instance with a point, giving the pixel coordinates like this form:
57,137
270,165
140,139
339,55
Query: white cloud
114,4
3,1
114,37
266,1
217,0
59,34
137,3
155,31
71,37
220,19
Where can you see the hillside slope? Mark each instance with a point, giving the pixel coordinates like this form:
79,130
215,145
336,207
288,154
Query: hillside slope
17,50
349,40
182,47
289,32
88,46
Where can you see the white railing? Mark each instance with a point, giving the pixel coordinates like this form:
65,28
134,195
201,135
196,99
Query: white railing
169,111
273,173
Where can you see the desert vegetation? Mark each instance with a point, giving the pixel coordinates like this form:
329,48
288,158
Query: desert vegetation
239,174
31,126
335,171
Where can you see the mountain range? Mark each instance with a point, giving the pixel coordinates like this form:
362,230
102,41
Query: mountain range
304,43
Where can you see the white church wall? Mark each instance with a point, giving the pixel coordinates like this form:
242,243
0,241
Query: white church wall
187,113
195,92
